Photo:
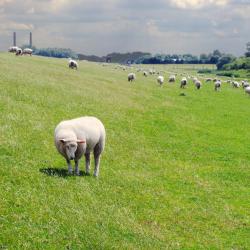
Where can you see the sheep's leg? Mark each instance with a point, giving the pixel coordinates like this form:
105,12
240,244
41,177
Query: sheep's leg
69,167
87,161
77,167
97,155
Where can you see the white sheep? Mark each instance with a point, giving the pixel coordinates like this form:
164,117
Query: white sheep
247,90
73,64
13,49
145,73
78,137
217,85
160,80
183,82
198,84
27,51
235,84
131,77
19,52
171,78
245,84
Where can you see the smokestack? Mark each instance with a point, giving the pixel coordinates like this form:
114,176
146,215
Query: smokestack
30,39
14,38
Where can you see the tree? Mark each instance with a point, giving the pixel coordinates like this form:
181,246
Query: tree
224,60
248,50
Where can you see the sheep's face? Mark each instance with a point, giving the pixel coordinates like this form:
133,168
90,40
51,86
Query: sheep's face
70,148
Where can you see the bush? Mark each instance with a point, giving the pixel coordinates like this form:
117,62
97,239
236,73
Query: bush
205,71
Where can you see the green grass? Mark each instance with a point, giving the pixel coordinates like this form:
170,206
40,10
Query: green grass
174,173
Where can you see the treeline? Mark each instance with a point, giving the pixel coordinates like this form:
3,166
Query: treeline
212,58
53,52
115,57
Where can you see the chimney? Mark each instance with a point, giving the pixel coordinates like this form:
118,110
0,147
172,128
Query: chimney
14,38
30,39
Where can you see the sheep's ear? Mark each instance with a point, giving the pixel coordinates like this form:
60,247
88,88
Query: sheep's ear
62,140
80,141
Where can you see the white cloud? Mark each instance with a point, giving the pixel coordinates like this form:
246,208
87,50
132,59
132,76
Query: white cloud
197,4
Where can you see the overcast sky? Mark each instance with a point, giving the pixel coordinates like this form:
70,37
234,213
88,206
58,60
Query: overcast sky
103,26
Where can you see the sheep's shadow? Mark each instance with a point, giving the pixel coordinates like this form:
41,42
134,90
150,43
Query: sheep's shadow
59,172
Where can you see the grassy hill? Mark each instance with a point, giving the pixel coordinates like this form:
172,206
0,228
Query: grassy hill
174,173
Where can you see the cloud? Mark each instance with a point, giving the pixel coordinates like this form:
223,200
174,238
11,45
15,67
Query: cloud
100,27
197,4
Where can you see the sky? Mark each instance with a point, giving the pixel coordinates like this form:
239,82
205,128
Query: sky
104,26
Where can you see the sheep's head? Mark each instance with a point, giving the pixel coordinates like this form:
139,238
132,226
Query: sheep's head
70,147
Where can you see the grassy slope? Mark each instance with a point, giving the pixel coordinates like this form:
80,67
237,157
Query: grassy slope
175,172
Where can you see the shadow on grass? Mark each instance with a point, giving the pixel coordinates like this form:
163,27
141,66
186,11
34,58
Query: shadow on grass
59,172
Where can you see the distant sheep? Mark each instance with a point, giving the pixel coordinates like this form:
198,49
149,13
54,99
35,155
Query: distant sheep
209,80
235,84
131,77
245,84
217,85
198,84
145,73
73,64
247,90
13,49
19,52
78,137
160,80
27,51
183,82
171,78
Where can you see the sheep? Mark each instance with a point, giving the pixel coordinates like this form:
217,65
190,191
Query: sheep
160,80
247,90
198,84
194,79
217,85
73,64
27,51
171,78
145,73
245,84
235,84
77,137
13,49
183,82
131,77
208,79
19,52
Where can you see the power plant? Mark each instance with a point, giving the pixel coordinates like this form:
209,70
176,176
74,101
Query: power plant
15,40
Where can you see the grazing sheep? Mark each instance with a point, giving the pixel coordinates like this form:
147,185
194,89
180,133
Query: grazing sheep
145,73
160,80
73,64
13,49
209,80
247,90
195,79
183,82
245,84
235,84
27,51
198,84
19,52
78,137
131,77
171,78
217,85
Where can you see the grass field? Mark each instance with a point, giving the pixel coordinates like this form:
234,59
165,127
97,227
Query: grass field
174,173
